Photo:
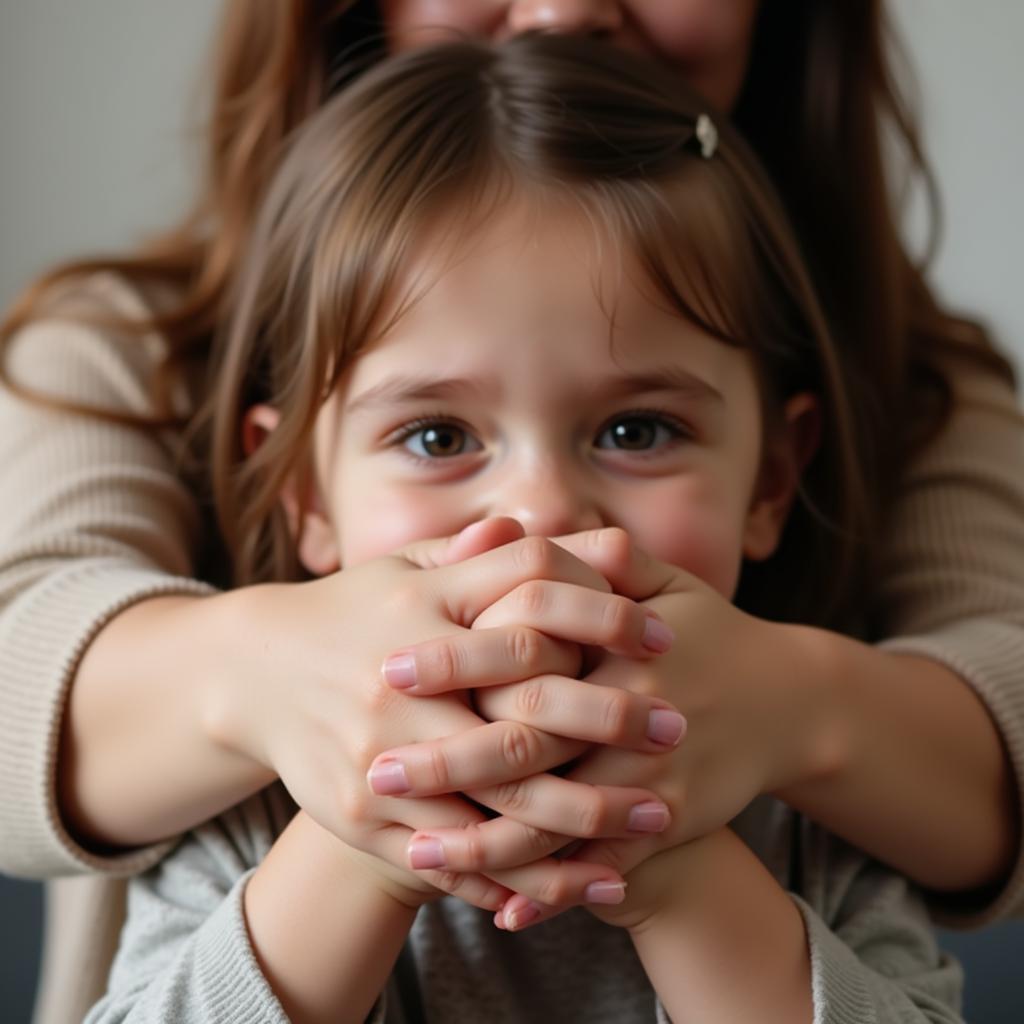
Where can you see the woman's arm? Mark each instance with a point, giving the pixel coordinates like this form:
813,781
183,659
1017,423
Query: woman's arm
95,519
917,776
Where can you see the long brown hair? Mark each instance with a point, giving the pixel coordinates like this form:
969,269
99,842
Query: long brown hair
819,93
443,135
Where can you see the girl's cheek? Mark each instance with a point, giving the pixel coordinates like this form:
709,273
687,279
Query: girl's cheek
705,545
381,525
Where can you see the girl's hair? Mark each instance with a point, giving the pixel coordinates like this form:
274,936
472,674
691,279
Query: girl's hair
432,143
820,95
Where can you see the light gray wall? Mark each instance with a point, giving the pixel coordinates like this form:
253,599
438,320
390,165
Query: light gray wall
93,124
972,77
93,144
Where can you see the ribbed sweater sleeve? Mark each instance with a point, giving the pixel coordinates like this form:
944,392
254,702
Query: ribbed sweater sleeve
953,577
95,518
185,952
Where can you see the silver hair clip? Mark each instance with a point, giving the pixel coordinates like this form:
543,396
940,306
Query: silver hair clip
707,135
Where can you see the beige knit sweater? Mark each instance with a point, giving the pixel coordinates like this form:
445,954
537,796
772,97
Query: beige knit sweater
95,518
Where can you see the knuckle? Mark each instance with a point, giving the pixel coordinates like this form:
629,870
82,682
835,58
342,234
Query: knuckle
537,841
535,555
512,797
518,746
439,767
531,597
450,881
445,662
615,720
554,890
530,699
592,816
473,851
525,649
617,618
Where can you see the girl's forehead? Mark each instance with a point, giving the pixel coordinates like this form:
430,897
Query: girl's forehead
543,298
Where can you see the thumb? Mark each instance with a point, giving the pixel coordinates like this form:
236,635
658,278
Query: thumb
475,539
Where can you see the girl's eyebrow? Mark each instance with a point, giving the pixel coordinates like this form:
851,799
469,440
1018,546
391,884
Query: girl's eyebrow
668,377
408,388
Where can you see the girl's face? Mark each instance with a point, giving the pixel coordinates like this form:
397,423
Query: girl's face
528,380
707,40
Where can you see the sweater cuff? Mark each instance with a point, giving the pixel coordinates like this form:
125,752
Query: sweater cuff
233,988
228,979
45,632
838,984
988,656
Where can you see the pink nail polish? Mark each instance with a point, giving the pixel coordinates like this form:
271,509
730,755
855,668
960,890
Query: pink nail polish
388,778
657,636
605,892
400,671
648,817
426,852
666,727
520,917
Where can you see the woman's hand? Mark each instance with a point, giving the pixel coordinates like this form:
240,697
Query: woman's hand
311,704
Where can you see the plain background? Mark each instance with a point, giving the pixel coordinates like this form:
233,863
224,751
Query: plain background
96,150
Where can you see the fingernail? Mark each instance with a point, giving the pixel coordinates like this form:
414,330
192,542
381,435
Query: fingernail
648,817
664,726
426,852
388,778
657,636
400,671
520,917
605,892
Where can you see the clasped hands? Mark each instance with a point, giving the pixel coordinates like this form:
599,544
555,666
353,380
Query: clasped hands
579,673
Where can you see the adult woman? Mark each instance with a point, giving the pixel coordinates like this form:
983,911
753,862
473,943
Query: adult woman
808,83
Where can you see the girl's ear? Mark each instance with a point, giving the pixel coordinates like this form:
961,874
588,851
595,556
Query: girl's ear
304,507
782,464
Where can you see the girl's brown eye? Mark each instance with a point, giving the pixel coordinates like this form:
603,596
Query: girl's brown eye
633,434
439,441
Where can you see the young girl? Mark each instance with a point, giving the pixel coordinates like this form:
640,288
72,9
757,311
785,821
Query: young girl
532,281
119,655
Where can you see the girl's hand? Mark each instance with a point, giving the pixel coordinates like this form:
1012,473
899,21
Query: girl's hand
311,704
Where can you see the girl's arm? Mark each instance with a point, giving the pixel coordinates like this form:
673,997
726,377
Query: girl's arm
727,943
326,925
722,940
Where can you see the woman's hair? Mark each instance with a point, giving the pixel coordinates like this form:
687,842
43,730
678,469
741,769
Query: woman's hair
819,97
420,152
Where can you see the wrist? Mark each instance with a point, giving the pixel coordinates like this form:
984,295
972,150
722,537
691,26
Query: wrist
820,737
235,702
